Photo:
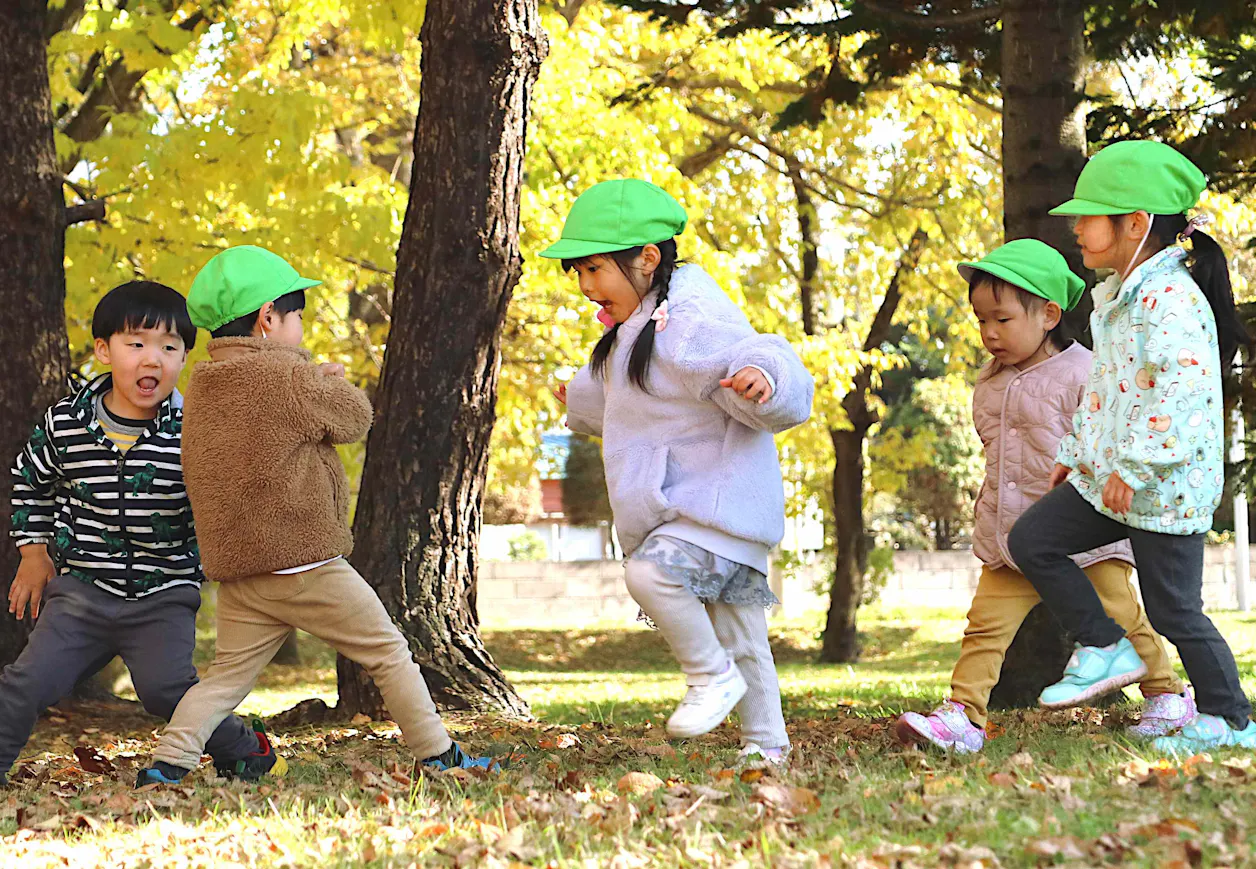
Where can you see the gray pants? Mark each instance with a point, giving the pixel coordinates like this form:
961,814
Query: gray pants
79,626
704,636
1170,575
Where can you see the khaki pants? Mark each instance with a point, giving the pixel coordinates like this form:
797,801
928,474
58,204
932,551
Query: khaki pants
332,602
1004,598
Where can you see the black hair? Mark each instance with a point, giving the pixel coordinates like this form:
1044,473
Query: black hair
1211,272
242,327
143,305
1031,303
639,360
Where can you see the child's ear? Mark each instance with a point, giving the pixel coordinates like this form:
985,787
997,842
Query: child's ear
101,348
1051,315
265,319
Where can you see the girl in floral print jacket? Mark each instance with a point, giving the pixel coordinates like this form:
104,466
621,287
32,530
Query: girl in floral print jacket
1144,459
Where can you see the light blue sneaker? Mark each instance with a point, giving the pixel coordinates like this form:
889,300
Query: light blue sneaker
1092,672
1204,733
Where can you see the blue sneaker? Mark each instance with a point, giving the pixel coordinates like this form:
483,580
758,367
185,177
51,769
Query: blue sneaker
1092,672
160,773
1204,733
455,758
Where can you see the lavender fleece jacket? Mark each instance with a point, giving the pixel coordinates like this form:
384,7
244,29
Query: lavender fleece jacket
690,449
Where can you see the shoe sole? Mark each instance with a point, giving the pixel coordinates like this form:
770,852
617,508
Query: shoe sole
1104,686
734,699
909,735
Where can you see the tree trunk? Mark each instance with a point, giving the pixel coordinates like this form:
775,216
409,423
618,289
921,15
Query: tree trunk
289,654
840,643
1044,124
1044,148
841,638
32,280
419,513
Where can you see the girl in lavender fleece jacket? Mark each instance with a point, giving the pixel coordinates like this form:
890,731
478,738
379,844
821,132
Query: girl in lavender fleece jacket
686,397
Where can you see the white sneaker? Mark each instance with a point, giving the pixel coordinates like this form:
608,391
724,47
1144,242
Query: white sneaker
707,702
754,756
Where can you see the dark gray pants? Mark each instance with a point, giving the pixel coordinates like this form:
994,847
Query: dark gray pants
78,626
1170,575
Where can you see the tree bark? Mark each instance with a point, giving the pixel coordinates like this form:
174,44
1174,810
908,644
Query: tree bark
34,363
1044,149
419,513
1044,124
840,642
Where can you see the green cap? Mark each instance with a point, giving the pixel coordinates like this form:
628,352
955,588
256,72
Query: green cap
1136,176
616,215
239,281
1033,266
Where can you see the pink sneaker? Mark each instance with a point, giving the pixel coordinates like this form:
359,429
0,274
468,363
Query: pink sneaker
947,728
1164,714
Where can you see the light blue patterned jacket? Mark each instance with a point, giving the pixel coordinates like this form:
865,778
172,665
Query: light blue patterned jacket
1152,409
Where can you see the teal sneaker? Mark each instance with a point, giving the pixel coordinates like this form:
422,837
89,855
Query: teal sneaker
1204,733
1092,672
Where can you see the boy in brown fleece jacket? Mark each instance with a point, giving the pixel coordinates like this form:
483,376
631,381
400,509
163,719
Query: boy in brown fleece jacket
271,501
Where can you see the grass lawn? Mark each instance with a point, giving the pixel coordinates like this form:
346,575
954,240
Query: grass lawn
595,782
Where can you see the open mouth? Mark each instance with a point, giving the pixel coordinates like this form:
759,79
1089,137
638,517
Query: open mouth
147,385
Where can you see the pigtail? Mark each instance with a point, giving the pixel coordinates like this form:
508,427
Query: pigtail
1211,271
643,347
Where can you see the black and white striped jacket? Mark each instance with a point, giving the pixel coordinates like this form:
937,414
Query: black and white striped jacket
120,522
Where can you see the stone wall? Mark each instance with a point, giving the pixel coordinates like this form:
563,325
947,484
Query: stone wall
576,593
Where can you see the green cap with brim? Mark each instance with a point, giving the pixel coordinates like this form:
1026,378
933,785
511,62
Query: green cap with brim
1126,177
239,281
617,215
1035,267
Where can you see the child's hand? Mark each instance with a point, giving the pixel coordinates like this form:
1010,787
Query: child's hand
1058,475
32,575
1117,496
332,369
560,392
750,384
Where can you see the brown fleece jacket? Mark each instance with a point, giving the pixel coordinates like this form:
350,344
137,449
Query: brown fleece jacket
268,490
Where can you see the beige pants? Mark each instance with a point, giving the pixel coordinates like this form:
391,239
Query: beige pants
1004,598
332,602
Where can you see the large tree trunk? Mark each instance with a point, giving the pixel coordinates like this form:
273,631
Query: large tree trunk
1044,148
419,513
1044,123
840,642
35,360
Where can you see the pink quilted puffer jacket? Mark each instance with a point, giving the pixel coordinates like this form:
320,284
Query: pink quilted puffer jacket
1021,417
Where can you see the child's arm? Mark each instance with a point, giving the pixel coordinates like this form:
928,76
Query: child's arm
712,351
340,411
36,472
586,403
1066,452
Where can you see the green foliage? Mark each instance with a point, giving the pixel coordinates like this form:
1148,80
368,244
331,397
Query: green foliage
527,546
585,499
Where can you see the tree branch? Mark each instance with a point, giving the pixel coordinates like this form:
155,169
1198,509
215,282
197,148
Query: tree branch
935,21
85,211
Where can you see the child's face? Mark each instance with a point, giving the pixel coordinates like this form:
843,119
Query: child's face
146,365
1108,242
287,328
603,282
1012,334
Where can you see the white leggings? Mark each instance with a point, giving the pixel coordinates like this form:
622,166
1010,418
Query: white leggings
704,636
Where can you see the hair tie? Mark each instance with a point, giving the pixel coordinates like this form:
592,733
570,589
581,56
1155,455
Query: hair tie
660,316
1193,224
